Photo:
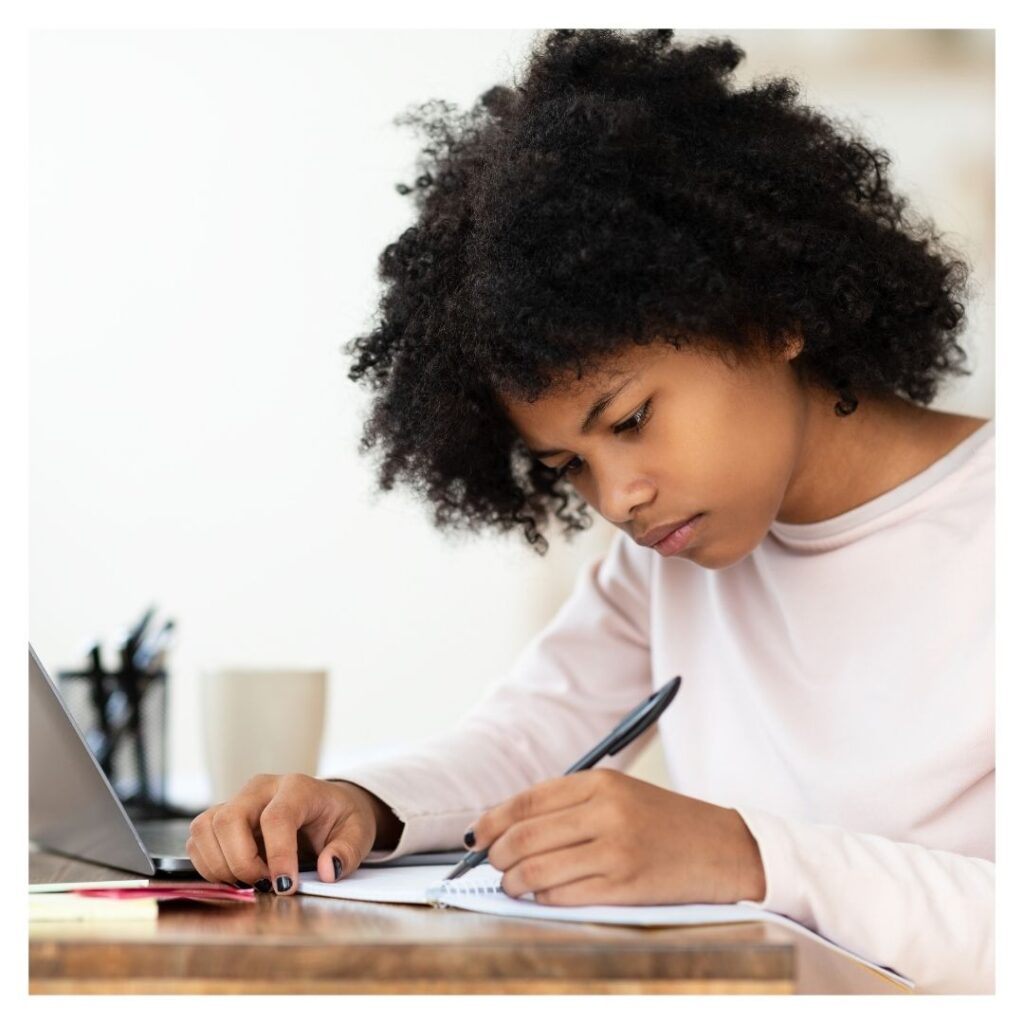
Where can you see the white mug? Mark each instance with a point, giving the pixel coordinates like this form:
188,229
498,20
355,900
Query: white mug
261,720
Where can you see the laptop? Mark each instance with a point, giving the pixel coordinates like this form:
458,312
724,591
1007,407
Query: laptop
72,807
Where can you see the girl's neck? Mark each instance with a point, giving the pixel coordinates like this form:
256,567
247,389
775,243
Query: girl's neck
846,461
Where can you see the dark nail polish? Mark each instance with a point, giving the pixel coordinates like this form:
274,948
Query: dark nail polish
242,885
284,883
336,861
469,838
263,885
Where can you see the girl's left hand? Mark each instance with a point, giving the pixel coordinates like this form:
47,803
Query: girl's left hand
599,836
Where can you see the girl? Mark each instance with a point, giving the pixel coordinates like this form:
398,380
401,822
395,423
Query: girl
702,313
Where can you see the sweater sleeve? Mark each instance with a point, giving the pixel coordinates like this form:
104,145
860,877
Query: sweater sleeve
568,688
927,914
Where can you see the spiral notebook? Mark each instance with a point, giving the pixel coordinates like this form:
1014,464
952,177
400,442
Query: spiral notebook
480,890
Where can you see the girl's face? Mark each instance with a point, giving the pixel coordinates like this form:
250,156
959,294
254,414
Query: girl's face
659,435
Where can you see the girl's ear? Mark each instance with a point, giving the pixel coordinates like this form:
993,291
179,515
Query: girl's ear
794,346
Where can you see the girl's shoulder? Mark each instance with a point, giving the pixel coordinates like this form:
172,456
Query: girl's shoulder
952,429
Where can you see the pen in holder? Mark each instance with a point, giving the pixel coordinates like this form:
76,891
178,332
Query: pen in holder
122,713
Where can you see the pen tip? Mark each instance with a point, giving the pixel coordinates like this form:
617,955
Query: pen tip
456,871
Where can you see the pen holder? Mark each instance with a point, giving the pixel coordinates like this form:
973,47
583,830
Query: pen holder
124,722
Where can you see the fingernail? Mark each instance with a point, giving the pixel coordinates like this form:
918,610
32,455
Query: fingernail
337,867
469,838
242,885
284,883
263,885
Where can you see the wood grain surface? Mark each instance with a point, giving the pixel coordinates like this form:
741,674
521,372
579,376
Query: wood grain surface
311,944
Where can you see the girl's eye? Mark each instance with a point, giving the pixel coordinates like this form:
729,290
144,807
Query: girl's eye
570,468
637,420
635,423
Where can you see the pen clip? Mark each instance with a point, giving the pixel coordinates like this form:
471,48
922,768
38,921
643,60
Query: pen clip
639,720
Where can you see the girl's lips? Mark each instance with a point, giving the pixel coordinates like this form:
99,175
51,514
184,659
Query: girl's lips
654,537
678,538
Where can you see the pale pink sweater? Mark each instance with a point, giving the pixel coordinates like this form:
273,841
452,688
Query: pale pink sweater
837,691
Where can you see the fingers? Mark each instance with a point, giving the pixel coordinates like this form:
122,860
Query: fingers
344,850
556,870
204,851
233,833
254,837
544,798
222,845
351,832
343,830
279,824
580,893
199,862
542,833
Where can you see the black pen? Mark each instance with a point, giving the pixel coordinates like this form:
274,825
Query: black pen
638,721
148,657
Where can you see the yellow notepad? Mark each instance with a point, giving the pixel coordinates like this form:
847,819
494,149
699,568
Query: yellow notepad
67,906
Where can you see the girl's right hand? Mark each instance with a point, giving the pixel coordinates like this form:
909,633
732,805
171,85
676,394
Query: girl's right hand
254,837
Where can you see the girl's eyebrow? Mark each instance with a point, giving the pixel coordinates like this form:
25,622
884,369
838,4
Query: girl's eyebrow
595,410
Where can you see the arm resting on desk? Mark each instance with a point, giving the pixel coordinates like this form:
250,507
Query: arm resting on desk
928,914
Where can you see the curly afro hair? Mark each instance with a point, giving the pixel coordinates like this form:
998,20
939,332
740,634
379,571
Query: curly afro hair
627,192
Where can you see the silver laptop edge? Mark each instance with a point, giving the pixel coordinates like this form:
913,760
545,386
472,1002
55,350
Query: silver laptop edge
73,808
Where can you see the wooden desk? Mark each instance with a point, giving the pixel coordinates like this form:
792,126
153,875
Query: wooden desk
311,944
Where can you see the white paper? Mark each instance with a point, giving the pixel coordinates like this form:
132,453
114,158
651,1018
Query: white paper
485,896
121,883
407,884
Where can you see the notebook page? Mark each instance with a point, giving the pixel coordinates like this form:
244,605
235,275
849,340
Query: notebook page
480,890
408,884
484,895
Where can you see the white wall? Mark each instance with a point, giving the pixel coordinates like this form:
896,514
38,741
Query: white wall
207,210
